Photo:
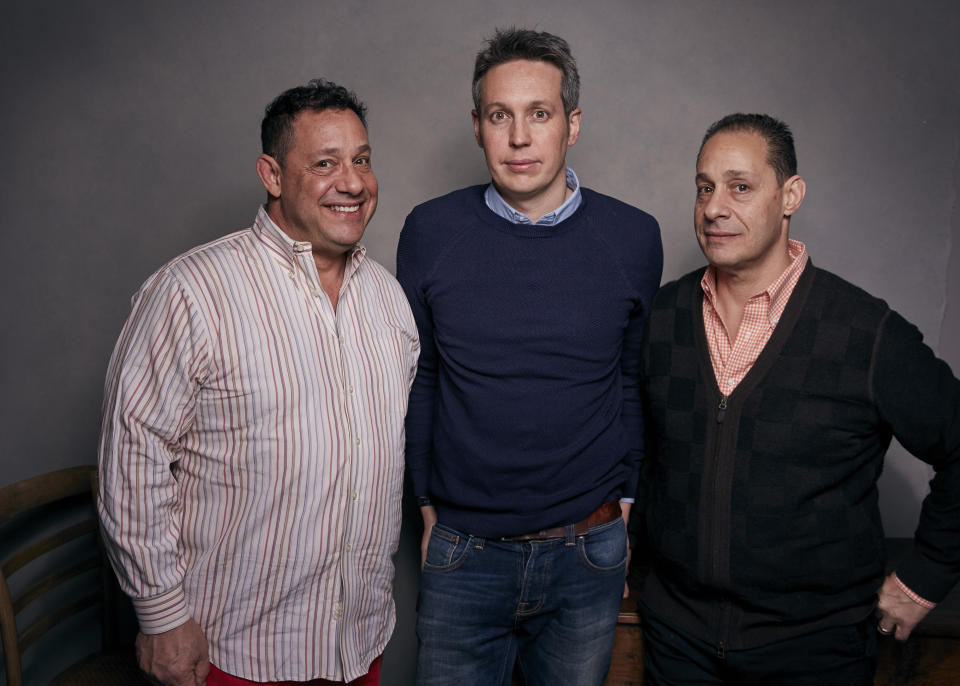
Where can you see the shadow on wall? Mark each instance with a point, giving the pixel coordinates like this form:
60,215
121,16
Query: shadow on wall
903,485
400,656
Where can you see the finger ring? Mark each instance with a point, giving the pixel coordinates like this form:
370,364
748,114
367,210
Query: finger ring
885,632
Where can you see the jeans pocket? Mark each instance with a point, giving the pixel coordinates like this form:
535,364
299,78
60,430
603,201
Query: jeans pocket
446,550
604,548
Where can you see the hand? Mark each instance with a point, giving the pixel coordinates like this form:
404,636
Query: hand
625,513
177,657
429,514
896,609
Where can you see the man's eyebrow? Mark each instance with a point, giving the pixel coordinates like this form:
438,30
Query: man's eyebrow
335,150
531,105
727,175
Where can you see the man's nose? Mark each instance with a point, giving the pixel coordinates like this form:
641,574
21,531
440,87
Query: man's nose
519,133
350,180
716,205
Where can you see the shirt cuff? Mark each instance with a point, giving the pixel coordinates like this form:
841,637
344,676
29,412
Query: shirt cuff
922,602
629,501
162,612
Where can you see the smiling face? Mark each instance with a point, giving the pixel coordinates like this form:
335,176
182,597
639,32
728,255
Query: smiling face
742,213
325,191
524,134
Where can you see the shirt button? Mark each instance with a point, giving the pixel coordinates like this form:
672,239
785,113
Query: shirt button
349,389
317,292
292,274
355,495
357,441
348,547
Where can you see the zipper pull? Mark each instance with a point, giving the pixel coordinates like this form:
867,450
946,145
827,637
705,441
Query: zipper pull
722,409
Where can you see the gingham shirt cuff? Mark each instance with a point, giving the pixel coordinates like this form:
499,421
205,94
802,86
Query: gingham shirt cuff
922,602
161,612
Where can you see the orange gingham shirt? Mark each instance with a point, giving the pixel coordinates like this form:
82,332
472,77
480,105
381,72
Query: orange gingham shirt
732,361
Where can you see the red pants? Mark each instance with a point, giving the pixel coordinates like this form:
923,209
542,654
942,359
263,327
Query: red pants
219,678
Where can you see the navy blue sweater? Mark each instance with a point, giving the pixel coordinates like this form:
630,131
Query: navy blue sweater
525,412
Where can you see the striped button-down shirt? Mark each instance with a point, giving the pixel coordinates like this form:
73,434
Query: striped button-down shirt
251,457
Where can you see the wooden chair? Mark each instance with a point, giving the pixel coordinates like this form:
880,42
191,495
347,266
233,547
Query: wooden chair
50,542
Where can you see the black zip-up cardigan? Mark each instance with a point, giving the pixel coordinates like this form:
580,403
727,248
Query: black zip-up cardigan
761,507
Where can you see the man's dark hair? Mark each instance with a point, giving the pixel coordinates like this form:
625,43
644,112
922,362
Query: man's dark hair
781,154
276,129
523,44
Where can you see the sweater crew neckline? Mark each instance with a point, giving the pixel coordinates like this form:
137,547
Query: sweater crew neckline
490,218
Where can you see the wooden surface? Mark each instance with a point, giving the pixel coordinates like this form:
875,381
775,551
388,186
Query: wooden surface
626,666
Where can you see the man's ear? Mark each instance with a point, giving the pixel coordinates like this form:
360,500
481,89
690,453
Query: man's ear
476,127
793,191
573,126
268,169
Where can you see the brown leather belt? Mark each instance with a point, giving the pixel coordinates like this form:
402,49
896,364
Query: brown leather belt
603,514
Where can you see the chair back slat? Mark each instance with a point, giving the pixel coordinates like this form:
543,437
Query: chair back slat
44,546
42,490
16,503
51,581
41,626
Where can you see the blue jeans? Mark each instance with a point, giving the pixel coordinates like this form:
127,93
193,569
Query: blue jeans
551,605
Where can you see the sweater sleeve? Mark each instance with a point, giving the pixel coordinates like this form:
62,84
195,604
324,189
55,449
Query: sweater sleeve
919,397
419,423
648,280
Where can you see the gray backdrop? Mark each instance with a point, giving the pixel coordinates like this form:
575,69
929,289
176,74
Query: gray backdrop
132,127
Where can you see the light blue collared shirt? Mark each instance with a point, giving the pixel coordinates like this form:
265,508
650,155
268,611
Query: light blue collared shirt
499,206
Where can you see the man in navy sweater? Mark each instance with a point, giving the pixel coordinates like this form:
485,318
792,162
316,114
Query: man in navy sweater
524,428
772,390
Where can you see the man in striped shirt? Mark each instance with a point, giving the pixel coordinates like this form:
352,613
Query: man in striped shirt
772,391
251,457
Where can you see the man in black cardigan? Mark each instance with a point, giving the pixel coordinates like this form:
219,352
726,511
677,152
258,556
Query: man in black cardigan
772,390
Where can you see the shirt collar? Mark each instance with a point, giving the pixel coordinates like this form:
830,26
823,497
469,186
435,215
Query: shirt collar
501,208
777,293
288,251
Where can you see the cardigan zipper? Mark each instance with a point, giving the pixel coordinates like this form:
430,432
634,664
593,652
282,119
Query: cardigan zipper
718,543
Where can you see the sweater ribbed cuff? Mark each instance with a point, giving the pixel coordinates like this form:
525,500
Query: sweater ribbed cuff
922,602
926,579
161,612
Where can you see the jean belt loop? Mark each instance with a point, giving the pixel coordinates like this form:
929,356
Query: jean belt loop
477,542
569,535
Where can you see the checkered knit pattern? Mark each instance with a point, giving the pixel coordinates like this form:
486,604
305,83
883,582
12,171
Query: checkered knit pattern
762,506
